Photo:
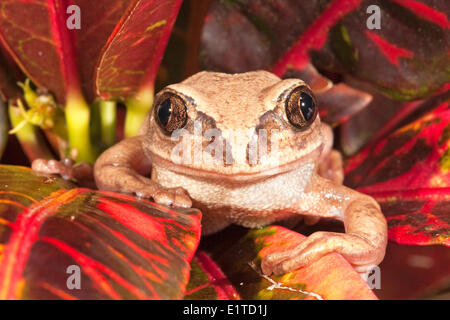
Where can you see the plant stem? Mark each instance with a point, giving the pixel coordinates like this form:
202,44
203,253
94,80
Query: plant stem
29,136
59,127
108,115
137,108
78,118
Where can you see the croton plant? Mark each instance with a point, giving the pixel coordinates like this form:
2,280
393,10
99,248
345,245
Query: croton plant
74,91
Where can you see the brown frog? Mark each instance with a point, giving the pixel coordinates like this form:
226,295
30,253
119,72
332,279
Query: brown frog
247,149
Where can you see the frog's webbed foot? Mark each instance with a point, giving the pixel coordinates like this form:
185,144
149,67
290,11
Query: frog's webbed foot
363,244
82,172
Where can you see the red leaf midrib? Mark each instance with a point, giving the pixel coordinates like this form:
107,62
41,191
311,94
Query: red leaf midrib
225,290
25,233
390,51
64,47
315,36
426,12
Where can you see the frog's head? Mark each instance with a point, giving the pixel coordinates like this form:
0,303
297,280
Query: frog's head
234,126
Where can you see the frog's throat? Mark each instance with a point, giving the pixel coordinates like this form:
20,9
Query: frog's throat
158,161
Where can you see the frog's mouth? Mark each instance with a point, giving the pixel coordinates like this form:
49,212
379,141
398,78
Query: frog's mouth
240,176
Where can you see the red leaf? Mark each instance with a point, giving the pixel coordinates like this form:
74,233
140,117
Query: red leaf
131,58
419,229
239,256
408,173
426,12
98,19
404,59
389,50
35,33
8,87
126,248
315,36
395,59
381,117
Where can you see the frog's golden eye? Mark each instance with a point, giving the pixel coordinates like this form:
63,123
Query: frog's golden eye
170,112
301,109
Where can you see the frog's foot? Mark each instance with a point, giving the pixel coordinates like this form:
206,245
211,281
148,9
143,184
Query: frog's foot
142,187
67,169
360,252
331,167
62,168
363,245
125,179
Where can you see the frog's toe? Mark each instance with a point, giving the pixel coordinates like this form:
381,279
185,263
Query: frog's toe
182,198
361,254
308,251
175,197
271,262
63,168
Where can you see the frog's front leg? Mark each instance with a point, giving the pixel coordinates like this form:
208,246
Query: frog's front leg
363,244
123,167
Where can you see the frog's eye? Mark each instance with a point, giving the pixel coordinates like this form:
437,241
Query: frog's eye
170,112
301,109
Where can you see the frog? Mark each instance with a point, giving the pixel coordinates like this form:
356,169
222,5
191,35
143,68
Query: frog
247,149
